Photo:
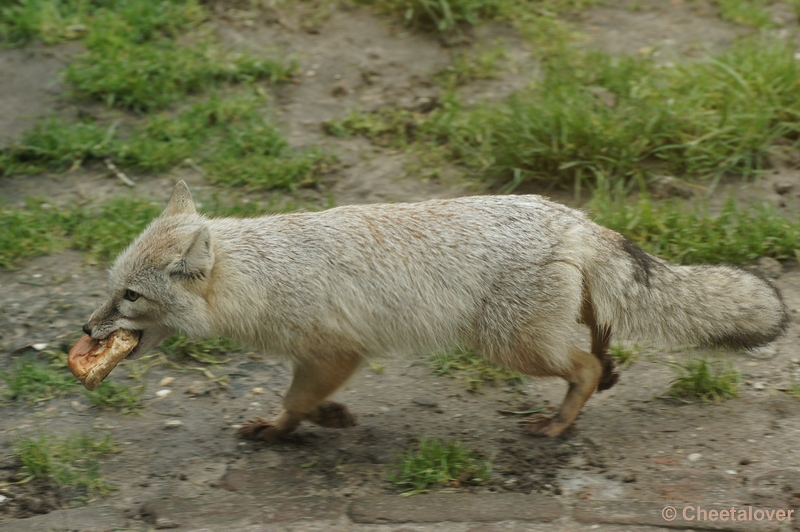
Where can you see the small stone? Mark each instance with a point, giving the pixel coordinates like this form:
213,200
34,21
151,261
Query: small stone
164,522
173,423
744,461
730,471
783,188
3,499
694,457
198,388
257,390
166,381
163,393
424,402
630,477
759,386
39,347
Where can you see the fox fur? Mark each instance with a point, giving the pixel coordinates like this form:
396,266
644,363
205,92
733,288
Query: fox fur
510,277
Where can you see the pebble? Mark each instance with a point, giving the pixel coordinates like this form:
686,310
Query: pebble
730,471
257,390
783,188
39,347
163,522
694,457
759,386
166,381
3,499
163,393
173,423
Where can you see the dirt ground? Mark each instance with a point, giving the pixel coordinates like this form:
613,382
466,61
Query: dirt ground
626,457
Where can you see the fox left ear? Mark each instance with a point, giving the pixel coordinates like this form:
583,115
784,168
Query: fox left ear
180,202
196,261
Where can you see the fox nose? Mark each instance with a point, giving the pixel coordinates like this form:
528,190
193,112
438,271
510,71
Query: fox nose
87,329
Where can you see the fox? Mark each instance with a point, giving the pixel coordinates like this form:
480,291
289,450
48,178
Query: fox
511,277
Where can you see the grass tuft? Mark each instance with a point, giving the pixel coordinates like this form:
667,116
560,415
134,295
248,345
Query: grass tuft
478,369
623,356
704,380
112,396
68,463
694,236
32,381
436,463
206,352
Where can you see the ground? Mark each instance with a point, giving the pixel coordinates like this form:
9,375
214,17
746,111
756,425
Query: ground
178,463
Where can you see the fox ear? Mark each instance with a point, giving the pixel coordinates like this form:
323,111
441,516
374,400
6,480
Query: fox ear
196,259
180,202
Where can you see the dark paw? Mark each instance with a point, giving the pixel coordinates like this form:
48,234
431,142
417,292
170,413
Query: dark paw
332,415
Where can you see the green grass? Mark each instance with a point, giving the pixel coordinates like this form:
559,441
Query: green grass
31,380
705,380
623,356
53,21
141,55
450,16
207,352
746,12
692,235
434,462
701,119
70,462
112,396
232,139
475,368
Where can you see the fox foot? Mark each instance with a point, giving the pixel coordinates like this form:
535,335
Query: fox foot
332,415
261,429
543,425
610,374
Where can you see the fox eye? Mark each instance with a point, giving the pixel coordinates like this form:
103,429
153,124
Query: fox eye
130,295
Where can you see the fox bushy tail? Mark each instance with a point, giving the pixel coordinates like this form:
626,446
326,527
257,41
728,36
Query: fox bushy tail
641,297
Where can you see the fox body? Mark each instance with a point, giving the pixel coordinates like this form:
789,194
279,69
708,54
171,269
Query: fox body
510,277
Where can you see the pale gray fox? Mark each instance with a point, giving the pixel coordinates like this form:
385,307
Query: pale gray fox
510,277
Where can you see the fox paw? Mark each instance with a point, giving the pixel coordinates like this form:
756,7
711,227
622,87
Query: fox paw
261,429
542,425
332,415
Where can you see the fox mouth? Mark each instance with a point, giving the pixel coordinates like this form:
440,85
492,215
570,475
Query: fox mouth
133,355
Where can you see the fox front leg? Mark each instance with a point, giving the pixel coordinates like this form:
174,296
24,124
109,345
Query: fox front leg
312,383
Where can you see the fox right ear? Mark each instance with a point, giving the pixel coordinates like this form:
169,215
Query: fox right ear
180,202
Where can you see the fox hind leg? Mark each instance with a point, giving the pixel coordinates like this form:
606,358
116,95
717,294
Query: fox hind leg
312,382
583,377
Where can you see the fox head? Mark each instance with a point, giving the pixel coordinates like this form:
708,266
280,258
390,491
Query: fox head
159,285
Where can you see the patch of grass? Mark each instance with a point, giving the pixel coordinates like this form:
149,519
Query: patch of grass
794,389
232,140
152,76
477,369
112,396
624,118
206,351
52,21
476,63
434,462
704,380
26,232
102,234
32,380
694,236
623,356
747,12
70,462
441,15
